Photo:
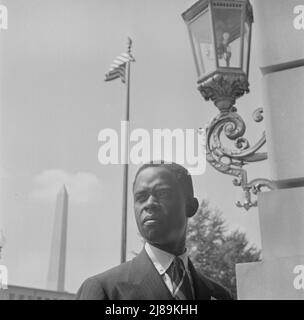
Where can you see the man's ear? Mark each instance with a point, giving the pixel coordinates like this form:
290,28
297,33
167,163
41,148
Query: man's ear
191,208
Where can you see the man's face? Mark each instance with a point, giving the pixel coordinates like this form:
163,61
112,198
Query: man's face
159,205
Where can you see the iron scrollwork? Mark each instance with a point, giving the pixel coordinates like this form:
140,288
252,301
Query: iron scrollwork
230,124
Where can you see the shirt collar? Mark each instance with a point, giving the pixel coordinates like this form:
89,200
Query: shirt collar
162,259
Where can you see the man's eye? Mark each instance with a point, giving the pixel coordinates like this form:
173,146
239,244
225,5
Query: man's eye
141,197
164,194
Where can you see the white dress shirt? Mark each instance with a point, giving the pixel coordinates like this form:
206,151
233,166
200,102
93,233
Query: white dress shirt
162,261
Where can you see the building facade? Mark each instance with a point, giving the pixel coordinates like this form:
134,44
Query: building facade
24,293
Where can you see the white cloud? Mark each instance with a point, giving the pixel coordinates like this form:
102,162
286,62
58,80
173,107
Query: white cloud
82,187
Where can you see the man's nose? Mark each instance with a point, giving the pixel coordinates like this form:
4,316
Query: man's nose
152,200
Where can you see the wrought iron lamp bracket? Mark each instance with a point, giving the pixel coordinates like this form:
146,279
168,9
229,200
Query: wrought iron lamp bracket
223,91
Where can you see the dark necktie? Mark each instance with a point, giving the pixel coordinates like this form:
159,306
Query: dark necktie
180,280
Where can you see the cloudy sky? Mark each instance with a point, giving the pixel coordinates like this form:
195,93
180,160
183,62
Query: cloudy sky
54,102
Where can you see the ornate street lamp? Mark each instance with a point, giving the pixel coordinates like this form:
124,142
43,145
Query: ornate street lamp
220,35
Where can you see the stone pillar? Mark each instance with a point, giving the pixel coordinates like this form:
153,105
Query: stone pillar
280,35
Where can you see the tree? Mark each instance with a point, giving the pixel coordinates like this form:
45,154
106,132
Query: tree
215,251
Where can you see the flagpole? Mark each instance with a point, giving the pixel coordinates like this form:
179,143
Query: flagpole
126,167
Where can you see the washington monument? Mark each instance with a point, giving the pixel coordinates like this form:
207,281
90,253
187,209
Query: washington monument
56,272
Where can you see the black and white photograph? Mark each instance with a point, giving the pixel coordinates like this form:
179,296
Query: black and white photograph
151,150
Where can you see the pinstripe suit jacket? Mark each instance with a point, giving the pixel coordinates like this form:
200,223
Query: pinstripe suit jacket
139,280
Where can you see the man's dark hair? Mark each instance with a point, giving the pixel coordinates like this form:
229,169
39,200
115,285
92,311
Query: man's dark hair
182,175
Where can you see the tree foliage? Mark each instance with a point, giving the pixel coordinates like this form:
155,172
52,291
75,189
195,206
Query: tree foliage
215,251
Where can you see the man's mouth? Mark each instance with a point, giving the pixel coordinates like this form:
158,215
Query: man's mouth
149,220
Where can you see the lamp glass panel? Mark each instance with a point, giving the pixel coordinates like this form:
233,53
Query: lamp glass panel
246,46
227,24
201,34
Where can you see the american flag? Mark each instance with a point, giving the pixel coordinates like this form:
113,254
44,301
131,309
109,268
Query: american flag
118,67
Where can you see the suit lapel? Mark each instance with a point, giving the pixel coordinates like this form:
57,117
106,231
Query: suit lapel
144,282
201,290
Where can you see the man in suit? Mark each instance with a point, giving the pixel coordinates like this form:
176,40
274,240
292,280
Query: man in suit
163,202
